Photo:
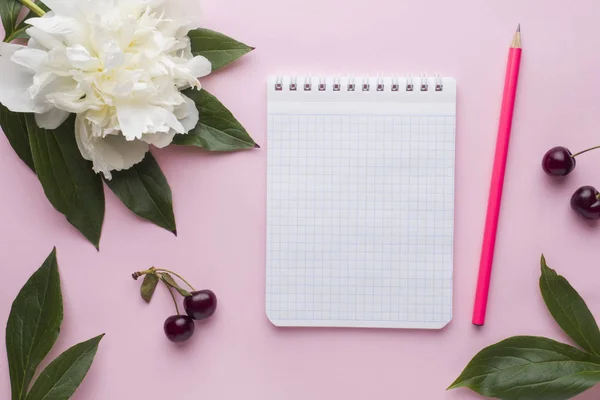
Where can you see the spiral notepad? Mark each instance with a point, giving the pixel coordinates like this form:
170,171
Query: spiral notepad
360,201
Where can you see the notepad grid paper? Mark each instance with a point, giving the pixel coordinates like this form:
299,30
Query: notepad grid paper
360,214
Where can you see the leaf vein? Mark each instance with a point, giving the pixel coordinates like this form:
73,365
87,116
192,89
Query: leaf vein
39,316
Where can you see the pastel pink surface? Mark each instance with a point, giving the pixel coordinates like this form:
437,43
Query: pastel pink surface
220,209
492,216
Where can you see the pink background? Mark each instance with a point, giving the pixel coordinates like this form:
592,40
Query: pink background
220,210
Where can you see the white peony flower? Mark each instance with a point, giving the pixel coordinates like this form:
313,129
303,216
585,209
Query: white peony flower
118,64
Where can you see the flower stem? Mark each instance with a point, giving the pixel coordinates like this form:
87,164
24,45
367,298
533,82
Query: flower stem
585,151
173,297
33,7
177,275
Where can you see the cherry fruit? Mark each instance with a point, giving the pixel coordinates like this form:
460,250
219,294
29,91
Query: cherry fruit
201,304
586,202
179,328
558,161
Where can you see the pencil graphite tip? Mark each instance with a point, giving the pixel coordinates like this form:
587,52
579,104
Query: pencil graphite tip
516,43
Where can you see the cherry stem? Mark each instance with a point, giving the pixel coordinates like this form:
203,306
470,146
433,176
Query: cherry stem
585,151
136,275
177,275
153,270
173,297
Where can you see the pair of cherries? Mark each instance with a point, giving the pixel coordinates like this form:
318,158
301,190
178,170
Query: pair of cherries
559,161
199,305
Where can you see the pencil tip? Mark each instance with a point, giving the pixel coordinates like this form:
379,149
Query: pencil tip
519,28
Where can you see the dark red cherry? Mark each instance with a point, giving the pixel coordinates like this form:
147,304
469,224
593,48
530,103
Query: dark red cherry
586,202
179,328
558,161
201,304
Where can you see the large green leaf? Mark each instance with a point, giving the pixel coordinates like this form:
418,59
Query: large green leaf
33,325
19,31
60,379
529,367
217,129
9,12
15,129
144,190
569,310
220,50
68,180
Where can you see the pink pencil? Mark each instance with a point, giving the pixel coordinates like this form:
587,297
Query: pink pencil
493,207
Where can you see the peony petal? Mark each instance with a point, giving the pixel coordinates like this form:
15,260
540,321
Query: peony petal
31,58
107,154
187,114
137,119
80,57
177,10
70,101
113,56
199,66
15,81
66,27
159,140
8,49
63,7
48,83
41,39
51,119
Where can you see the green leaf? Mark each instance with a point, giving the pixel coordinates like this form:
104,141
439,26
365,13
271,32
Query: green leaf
68,180
144,190
41,5
569,309
529,367
148,287
33,325
19,31
168,279
217,130
9,12
14,127
63,376
220,50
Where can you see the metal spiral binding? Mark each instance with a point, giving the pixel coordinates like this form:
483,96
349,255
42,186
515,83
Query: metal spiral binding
439,85
395,85
409,83
365,85
424,85
336,84
307,83
322,85
380,85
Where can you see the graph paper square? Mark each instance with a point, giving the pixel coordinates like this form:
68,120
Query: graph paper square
360,209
